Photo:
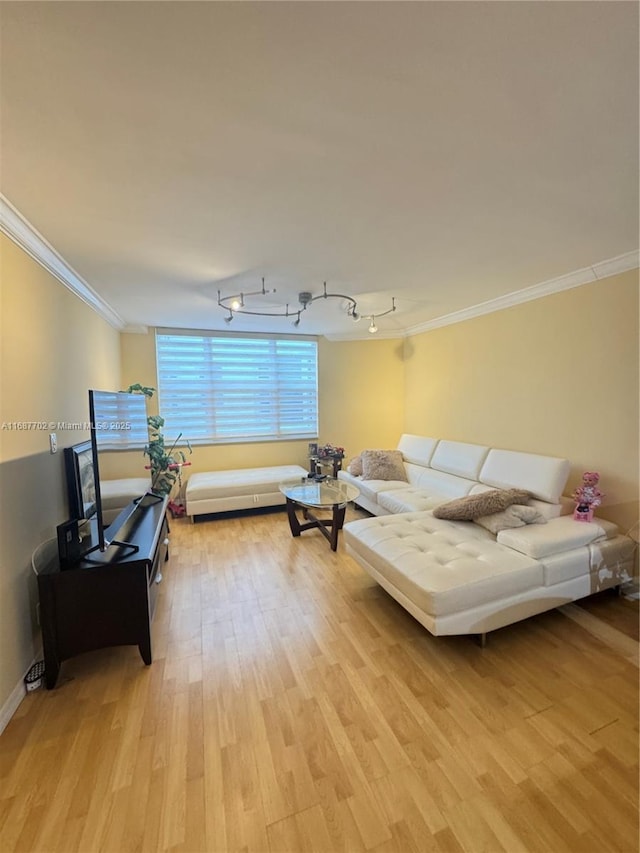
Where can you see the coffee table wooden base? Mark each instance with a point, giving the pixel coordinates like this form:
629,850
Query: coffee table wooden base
329,527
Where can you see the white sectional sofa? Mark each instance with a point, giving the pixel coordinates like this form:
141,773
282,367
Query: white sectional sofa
455,577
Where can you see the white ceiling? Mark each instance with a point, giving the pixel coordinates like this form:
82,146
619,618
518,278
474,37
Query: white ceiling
442,153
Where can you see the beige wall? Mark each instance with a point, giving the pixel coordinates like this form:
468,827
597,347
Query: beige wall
361,385
354,378
556,376
53,348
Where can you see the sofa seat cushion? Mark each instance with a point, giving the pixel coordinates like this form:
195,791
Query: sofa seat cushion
371,488
409,499
442,566
240,481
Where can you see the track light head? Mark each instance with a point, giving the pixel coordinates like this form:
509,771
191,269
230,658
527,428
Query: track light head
372,326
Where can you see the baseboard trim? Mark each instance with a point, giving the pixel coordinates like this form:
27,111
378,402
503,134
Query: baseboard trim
15,698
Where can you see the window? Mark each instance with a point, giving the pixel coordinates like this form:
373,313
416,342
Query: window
120,420
223,388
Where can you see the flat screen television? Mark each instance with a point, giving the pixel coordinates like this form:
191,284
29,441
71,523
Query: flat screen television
118,422
81,483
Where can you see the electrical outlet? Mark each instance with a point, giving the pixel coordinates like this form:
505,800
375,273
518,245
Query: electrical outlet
53,442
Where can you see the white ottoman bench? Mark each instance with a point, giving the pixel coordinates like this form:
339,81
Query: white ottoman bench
240,488
116,494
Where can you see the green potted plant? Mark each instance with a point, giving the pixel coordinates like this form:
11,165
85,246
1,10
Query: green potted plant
165,462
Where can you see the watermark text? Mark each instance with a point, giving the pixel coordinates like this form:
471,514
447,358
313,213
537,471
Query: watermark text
52,426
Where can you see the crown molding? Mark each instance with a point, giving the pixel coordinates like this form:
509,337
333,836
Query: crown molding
24,235
133,329
396,334
587,275
614,266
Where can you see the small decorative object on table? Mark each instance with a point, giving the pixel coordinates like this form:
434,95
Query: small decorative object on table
325,454
587,496
328,451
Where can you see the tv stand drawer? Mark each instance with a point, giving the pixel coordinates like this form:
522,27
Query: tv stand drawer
160,558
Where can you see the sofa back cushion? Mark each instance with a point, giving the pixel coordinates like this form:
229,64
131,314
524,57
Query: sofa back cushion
464,460
438,483
417,448
544,476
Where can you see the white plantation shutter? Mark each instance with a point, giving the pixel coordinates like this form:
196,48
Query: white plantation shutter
223,388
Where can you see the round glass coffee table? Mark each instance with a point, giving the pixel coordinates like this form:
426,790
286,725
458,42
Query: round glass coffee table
327,494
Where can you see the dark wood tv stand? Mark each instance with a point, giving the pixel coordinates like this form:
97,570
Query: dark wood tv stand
107,599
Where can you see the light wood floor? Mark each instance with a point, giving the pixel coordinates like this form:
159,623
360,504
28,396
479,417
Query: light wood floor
293,706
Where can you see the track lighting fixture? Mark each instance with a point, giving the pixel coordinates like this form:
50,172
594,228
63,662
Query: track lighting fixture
236,305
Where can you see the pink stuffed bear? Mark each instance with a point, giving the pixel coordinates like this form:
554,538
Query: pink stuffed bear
587,496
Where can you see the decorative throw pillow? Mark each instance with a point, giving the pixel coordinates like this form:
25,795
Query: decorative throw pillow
498,521
484,503
355,466
529,514
516,515
383,465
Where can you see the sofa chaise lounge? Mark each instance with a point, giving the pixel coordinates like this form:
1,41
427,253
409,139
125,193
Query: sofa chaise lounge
456,577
